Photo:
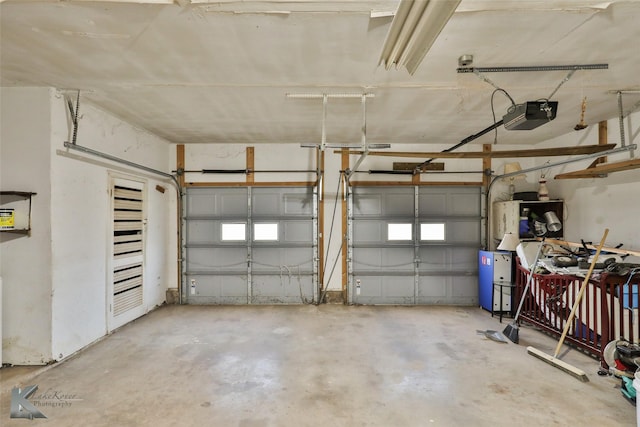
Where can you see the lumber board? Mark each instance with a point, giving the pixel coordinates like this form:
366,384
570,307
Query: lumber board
619,251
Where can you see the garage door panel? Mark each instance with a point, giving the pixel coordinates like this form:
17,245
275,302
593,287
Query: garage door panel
233,204
367,205
378,259
385,290
285,289
401,287
433,258
217,289
370,286
199,231
298,204
451,201
443,264
266,204
367,259
462,260
432,204
463,231
218,201
368,231
382,201
398,204
297,232
397,259
464,203
216,259
243,270
433,288
464,288
201,203
266,259
453,259
277,201
272,259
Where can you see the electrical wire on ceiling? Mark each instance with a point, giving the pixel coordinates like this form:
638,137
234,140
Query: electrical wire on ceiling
493,111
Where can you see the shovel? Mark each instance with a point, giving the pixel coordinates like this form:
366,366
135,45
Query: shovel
512,330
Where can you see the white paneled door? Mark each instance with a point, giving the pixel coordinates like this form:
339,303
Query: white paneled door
126,270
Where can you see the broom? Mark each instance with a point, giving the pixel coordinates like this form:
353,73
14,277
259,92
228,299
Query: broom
512,330
553,360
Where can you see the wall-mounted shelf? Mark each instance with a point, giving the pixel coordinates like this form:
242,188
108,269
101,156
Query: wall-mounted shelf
22,201
507,217
601,170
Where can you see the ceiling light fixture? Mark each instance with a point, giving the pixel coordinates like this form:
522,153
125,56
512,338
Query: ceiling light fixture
414,29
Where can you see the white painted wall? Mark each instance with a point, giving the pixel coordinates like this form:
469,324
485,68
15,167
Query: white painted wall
594,204
55,282
80,205
25,262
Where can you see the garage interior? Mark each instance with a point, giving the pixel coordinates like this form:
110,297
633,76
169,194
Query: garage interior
262,213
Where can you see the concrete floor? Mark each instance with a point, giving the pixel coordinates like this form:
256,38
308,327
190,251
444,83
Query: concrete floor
317,366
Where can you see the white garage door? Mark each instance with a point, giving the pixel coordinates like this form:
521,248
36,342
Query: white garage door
250,245
414,245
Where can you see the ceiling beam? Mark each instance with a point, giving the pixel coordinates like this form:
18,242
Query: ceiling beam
536,152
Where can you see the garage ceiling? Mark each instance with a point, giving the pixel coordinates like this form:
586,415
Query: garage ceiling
219,72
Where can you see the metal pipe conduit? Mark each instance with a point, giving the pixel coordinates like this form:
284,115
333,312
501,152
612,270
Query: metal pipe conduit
120,160
246,171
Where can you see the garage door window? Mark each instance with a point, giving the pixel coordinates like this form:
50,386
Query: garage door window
432,231
265,232
233,232
399,232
